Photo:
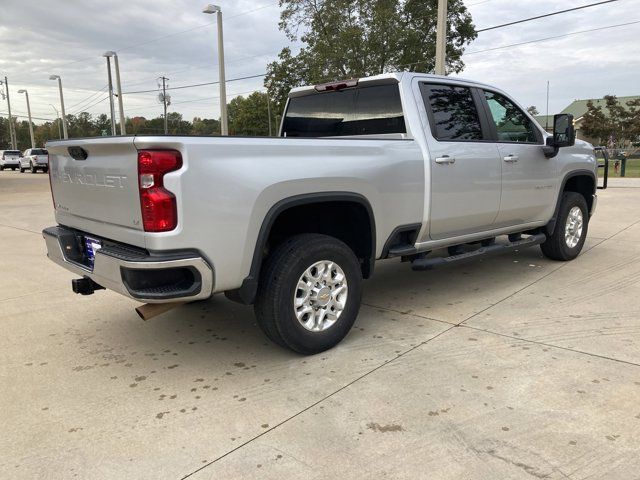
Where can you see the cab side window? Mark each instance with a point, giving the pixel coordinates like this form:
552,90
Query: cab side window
453,115
512,125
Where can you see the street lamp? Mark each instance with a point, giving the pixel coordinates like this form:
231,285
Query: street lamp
107,55
118,87
224,128
64,120
26,94
58,120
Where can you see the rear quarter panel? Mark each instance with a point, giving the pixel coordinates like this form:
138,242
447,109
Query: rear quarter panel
227,186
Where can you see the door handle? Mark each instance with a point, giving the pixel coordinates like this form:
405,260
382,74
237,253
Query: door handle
445,159
511,158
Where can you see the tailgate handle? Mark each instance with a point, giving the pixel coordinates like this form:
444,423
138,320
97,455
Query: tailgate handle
78,153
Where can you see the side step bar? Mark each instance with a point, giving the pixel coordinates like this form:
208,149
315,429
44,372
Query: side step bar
429,263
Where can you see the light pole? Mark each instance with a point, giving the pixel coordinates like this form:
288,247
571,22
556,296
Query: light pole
441,38
64,120
118,88
26,94
58,122
224,127
12,132
113,118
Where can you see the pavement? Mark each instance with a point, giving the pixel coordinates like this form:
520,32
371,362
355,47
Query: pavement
507,368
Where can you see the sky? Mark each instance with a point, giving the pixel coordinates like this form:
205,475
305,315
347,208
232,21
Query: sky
173,38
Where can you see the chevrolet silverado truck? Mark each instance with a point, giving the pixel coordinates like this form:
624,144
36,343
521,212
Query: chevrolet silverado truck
431,169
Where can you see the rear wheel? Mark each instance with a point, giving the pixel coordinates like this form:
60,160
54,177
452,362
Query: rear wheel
571,229
309,293
1,168
31,169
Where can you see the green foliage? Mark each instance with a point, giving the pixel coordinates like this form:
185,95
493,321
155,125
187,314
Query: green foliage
615,120
356,38
249,116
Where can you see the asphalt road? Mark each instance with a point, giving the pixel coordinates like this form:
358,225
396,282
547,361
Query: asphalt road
512,367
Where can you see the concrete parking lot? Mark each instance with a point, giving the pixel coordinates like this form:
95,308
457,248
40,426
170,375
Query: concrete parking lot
511,367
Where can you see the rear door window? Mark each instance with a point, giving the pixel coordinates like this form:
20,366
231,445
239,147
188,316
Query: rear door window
373,110
453,114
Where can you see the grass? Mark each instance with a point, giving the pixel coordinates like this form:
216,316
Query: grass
632,170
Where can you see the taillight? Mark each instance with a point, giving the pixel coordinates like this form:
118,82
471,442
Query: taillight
159,209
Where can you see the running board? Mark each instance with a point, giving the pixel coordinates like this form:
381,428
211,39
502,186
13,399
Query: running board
429,263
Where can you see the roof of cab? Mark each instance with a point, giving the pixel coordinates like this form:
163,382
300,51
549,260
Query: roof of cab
385,77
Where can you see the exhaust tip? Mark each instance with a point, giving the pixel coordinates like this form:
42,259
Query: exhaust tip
150,310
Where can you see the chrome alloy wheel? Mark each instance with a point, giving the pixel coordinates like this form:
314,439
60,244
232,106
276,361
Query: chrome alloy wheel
321,296
573,227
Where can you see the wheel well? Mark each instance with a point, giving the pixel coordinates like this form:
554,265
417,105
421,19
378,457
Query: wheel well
345,216
582,184
348,221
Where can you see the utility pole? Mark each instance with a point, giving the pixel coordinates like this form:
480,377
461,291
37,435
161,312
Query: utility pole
12,132
113,117
546,119
164,103
58,122
441,38
118,88
269,112
26,94
224,125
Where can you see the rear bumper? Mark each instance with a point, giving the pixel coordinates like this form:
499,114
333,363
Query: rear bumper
10,163
151,278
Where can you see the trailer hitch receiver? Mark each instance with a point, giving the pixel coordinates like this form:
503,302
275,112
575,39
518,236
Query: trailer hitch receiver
85,286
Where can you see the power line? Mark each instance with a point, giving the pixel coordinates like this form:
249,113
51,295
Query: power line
89,98
200,84
5,114
552,38
544,16
87,107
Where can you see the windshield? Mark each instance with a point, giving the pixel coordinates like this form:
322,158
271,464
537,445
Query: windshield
373,110
12,152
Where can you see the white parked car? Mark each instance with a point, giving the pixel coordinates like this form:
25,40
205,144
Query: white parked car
35,159
10,159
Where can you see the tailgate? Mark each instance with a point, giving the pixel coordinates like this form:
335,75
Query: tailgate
103,187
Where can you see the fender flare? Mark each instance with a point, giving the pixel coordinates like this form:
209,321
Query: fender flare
551,226
246,294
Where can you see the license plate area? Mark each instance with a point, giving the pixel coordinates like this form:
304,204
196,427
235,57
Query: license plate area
91,246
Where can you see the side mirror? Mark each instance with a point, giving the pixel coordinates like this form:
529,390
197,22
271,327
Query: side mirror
564,134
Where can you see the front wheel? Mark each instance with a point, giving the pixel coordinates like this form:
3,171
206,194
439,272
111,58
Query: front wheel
309,293
571,229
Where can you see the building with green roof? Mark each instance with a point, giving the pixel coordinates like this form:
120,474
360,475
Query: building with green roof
578,108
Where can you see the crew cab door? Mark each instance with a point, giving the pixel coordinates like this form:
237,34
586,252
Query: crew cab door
529,179
464,164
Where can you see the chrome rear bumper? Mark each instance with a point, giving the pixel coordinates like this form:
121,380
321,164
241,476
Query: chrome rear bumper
134,273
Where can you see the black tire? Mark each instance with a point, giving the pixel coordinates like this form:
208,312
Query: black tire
21,169
274,307
1,168
31,169
556,247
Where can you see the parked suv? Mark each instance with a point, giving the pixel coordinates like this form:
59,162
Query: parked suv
10,159
35,159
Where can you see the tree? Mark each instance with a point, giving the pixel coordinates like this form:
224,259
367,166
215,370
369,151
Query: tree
356,38
617,122
533,110
249,116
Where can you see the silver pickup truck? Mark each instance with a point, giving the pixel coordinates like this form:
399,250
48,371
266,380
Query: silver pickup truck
431,169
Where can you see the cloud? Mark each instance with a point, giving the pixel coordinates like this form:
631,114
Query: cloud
68,37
